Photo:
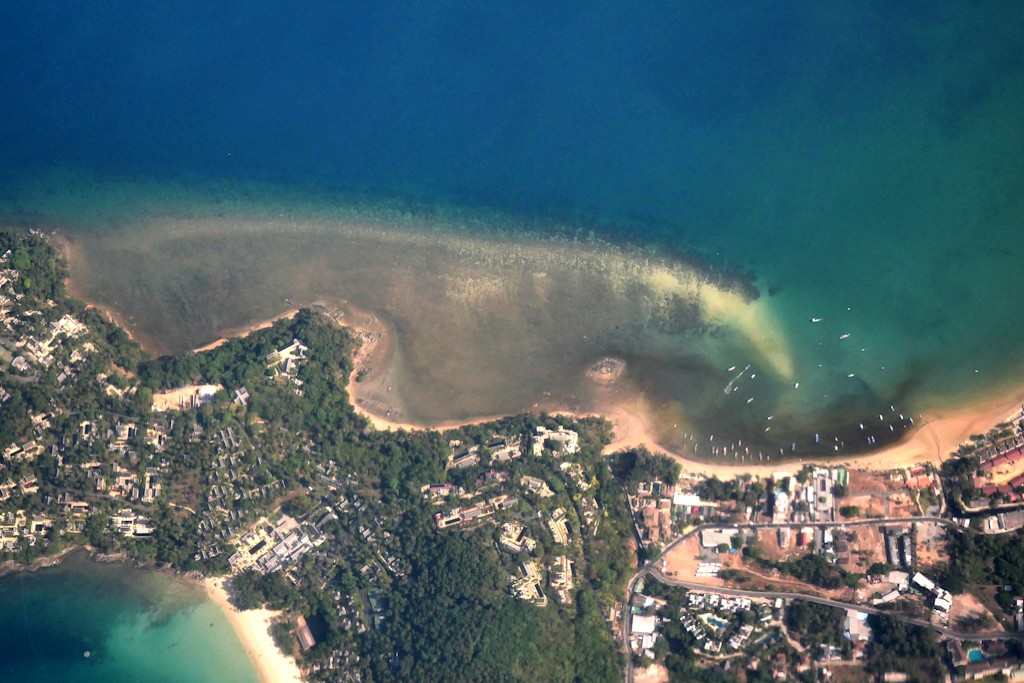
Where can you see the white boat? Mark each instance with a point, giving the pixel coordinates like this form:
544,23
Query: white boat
844,335
816,320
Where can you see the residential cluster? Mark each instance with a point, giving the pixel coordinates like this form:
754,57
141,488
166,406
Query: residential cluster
268,547
542,506
715,625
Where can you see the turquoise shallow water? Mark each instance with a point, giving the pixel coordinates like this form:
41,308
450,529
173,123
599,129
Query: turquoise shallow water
859,162
138,627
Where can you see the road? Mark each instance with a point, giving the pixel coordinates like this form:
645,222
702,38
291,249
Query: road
944,630
651,570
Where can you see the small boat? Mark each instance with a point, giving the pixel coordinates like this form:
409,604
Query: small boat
862,426
851,375
731,368
750,400
797,385
753,376
816,320
770,417
767,429
844,335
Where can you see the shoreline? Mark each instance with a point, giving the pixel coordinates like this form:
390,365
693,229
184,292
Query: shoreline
245,330
252,627
933,441
65,247
377,357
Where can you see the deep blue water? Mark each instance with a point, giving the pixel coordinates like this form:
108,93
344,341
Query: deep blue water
862,160
666,114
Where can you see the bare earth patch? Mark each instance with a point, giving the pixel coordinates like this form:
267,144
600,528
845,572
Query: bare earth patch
655,673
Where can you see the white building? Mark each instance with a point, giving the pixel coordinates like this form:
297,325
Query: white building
563,441
712,538
644,625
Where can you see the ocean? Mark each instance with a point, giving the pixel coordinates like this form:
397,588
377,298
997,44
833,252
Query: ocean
86,622
797,223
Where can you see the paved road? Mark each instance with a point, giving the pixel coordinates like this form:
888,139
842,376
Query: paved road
651,569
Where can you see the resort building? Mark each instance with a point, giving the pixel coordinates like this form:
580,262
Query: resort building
559,441
559,526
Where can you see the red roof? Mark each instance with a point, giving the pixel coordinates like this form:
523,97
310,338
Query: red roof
1008,458
920,482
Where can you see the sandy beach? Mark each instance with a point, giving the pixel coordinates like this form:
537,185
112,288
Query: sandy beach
228,335
253,630
937,435
378,359
932,441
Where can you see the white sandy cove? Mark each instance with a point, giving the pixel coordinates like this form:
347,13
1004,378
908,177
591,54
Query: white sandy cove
252,627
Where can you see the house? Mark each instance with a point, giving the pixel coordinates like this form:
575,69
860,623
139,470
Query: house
464,457
712,538
560,441
513,537
559,526
856,628
536,486
528,587
127,523
894,594
643,625
288,358
923,582
504,449
302,632
561,578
